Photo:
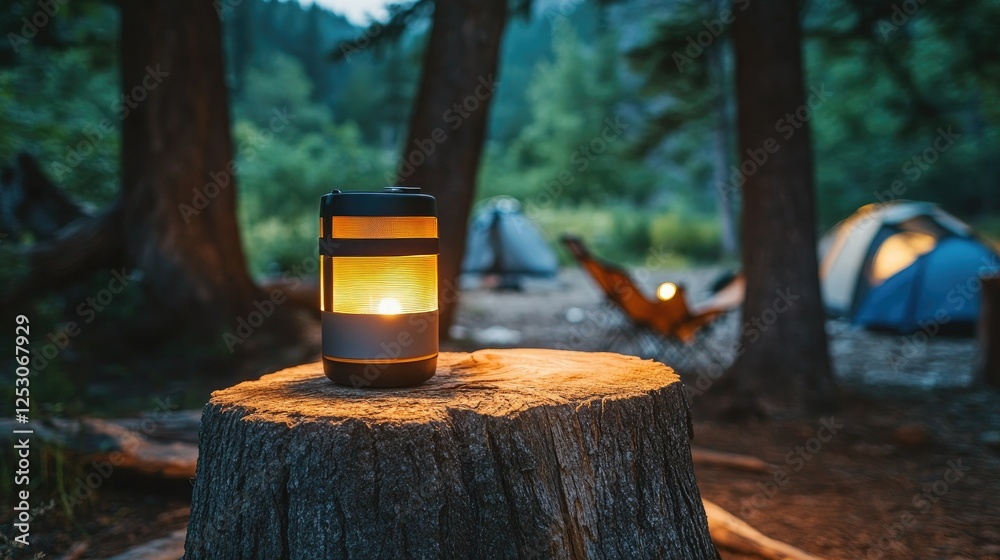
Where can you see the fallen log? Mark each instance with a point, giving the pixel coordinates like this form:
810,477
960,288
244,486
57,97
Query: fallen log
164,448
170,547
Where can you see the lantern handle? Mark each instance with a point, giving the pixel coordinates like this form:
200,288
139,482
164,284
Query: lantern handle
402,190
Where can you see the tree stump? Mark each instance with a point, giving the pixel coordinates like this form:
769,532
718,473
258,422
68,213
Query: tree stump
503,454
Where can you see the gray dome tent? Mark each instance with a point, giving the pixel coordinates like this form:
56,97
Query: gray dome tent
502,240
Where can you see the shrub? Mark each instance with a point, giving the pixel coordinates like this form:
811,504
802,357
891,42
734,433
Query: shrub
696,238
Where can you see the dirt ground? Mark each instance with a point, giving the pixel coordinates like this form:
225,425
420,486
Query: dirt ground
910,465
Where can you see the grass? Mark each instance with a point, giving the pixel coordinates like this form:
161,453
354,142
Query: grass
635,236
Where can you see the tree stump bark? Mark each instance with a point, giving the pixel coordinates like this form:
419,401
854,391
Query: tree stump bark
503,454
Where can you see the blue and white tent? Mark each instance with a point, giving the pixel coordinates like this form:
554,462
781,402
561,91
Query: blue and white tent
905,266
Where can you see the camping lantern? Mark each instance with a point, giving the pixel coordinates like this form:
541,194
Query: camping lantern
378,287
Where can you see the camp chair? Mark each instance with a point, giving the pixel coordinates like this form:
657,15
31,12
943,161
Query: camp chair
662,327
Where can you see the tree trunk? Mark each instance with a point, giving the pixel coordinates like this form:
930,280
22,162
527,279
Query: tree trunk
721,146
784,364
503,454
179,218
988,334
448,124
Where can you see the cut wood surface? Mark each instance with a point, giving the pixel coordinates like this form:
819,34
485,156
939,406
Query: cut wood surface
504,453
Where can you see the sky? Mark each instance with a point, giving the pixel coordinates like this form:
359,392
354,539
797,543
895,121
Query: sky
358,12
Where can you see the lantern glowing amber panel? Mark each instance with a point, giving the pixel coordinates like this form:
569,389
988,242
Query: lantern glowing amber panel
378,287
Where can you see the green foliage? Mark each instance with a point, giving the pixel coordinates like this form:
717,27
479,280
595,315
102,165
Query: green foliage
574,151
626,235
282,173
278,82
894,86
279,200
379,93
575,148
650,190
562,77
697,238
62,106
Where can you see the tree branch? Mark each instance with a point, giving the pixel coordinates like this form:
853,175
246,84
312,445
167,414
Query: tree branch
78,249
30,202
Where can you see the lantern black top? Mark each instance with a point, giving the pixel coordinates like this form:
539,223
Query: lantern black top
392,201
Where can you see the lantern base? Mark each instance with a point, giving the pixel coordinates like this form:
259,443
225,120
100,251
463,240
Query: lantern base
379,374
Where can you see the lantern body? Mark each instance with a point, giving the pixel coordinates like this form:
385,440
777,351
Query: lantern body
378,287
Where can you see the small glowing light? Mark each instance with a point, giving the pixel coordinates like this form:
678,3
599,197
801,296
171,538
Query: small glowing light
666,291
389,306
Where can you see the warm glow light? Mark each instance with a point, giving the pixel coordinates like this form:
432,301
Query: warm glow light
898,252
322,287
384,227
385,285
667,290
389,306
